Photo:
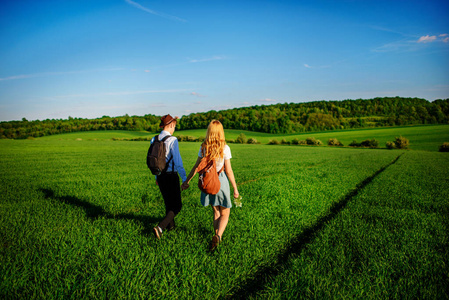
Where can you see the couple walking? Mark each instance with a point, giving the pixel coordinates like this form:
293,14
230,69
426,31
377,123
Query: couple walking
214,148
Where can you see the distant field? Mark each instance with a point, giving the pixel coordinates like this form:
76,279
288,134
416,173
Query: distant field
316,222
427,138
97,135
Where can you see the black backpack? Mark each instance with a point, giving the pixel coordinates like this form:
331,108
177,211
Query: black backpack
156,156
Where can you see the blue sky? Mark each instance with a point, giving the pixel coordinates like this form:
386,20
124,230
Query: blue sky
89,58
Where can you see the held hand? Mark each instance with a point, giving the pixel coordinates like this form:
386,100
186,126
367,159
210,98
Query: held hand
184,186
236,194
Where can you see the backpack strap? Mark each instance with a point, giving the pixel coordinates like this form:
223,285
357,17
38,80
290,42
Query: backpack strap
222,168
166,137
168,164
170,159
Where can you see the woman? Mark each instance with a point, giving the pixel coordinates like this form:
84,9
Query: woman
214,148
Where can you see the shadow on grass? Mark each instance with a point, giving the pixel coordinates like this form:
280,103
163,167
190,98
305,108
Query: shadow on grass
259,279
94,211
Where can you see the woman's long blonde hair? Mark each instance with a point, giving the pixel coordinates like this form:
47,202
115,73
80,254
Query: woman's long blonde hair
213,145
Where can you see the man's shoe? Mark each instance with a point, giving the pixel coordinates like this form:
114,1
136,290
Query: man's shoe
171,227
157,232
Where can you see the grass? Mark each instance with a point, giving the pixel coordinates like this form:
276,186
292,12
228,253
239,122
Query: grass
426,137
387,242
76,219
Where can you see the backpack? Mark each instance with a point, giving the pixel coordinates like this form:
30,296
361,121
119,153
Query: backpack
156,156
208,181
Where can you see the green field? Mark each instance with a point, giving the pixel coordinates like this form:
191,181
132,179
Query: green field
427,138
77,211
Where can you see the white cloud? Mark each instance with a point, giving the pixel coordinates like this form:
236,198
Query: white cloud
123,93
412,45
268,100
427,39
19,77
23,76
153,12
317,67
401,45
197,94
409,42
216,57
444,37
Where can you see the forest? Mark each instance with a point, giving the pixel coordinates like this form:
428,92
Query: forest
277,118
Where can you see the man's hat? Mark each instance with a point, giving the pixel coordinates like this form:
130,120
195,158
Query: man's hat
167,119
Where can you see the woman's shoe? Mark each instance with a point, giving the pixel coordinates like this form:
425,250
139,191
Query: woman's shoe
215,241
157,232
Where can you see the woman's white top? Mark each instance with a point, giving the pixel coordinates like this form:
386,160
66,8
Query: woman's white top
220,161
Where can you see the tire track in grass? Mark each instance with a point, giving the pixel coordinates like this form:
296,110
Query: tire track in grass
258,281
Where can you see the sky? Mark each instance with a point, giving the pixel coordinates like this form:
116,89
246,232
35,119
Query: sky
94,58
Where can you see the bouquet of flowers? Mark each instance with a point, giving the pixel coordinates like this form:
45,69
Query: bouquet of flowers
238,201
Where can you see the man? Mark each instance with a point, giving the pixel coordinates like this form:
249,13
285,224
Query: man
168,181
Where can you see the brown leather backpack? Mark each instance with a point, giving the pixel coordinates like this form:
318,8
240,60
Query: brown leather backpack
208,181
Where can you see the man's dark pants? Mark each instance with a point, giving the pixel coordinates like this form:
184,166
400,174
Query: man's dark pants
171,192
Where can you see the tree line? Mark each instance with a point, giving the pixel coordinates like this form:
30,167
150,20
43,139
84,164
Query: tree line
326,115
277,118
25,129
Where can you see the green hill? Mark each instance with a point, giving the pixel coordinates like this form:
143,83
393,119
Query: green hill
287,118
